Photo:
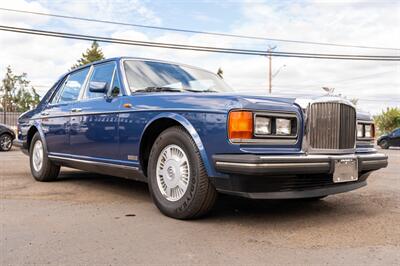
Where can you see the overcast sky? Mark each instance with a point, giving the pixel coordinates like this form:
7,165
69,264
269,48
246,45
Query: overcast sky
369,23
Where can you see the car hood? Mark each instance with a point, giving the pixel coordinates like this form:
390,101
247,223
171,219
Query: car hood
212,101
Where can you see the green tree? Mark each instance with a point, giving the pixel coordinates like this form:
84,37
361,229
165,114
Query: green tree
17,94
92,54
388,120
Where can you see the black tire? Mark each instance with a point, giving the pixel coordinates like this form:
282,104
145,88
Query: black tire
5,142
384,144
200,195
48,171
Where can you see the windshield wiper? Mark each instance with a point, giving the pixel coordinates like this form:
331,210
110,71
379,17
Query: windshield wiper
158,89
207,90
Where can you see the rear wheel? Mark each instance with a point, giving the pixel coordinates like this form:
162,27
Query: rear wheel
42,168
178,181
384,144
5,142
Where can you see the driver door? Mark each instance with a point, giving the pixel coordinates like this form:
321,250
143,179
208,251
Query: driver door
94,125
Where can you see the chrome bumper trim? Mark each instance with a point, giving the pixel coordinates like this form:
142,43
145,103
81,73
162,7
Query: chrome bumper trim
293,164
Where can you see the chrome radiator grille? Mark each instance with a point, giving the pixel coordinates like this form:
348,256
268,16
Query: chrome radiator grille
332,126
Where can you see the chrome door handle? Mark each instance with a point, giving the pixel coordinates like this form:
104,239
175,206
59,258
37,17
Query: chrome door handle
44,113
76,110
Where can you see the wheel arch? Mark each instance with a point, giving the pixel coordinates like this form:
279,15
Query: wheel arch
7,133
382,139
31,132
160,123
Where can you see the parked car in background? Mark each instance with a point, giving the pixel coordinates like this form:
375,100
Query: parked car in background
7,136
184,131
391,139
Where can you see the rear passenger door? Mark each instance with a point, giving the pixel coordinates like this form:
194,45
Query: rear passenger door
94,124
56,116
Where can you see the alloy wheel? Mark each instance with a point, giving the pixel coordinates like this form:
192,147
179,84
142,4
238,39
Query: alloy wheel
5,142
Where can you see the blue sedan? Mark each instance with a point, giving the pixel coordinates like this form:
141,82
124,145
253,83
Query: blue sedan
185,132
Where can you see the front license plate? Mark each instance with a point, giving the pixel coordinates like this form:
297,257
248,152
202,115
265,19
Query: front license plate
346,170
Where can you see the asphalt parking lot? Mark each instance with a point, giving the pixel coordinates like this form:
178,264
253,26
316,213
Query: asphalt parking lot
86,218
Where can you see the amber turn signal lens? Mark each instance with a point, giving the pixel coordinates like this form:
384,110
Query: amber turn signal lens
240,125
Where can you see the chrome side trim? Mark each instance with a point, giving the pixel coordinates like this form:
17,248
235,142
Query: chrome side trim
129,111
62,158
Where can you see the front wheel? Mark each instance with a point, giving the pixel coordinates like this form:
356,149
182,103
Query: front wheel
178,181
384,144
5,142
42,168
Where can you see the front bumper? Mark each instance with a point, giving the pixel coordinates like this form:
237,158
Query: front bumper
249,164
289,176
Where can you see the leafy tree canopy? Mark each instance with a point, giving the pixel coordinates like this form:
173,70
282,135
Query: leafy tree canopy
92,54
16,93
388,120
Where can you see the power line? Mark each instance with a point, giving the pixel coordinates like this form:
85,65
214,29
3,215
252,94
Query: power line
197,48
319,85
361,99
198,32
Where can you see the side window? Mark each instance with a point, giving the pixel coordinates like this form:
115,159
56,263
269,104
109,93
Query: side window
101,73
72,87
396,133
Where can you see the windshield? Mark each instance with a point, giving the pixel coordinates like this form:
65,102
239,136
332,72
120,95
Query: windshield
142,75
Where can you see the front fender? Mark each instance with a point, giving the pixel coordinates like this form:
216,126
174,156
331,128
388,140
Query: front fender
192,131
36,125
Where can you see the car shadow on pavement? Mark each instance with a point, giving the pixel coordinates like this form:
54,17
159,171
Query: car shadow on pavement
100,184
231,208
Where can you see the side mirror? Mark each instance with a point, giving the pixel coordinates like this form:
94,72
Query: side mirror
98,86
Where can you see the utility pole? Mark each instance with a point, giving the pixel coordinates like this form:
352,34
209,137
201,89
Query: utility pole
271,48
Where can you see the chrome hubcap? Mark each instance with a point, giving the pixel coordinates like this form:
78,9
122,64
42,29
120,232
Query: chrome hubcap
173,172
37,156
5,142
